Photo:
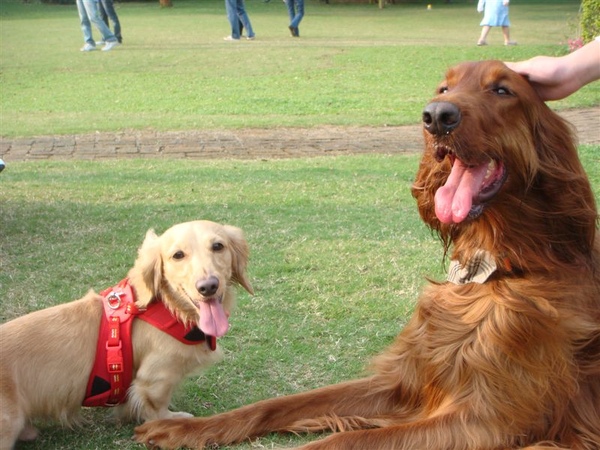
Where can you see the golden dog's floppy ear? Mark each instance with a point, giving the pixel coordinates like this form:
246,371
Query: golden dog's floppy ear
240,253
145,276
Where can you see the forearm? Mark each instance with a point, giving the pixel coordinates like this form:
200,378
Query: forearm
555,78
583,65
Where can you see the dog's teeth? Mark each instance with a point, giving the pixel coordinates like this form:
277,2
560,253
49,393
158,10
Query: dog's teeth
491,169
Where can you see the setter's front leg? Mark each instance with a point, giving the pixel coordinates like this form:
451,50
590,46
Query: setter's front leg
354,398
435,433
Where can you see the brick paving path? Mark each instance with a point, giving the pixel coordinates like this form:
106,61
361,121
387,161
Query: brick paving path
246,143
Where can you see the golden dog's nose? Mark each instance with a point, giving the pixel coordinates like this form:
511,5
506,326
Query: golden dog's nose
208,286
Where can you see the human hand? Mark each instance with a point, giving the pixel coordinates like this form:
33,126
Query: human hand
555,78
545,75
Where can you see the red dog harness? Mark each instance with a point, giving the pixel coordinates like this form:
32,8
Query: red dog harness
112,373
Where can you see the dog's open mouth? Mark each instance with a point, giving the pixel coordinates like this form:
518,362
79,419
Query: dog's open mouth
213,318
468,188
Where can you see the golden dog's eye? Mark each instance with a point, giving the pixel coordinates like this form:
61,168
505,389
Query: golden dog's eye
443,90
217,246
178,255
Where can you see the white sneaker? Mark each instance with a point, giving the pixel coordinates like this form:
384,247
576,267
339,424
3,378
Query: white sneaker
100,43
110,45
88,48
230,38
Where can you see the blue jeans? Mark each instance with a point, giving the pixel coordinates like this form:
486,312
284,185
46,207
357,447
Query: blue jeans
296,11
107,11
236,13
89,11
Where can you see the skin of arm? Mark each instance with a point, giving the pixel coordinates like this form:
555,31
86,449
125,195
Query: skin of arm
555,78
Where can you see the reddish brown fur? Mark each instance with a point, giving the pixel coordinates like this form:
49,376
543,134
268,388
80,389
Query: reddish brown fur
511,363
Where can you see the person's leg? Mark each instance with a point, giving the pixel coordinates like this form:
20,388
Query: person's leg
232,17
86,27
291,7
298,16
104,17
506,33
103,13
109,7
93,12
243,16
484,32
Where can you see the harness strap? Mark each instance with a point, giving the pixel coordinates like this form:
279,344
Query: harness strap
112,373
160,317
113,367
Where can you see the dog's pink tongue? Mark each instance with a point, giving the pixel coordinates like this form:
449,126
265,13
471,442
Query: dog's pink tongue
453,201
213,320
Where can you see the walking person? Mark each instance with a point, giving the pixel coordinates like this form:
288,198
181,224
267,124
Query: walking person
495,14
296,12
107,11
89,12
236,14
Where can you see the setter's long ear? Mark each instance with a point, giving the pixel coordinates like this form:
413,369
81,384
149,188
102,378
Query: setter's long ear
240,254
563,178
146,274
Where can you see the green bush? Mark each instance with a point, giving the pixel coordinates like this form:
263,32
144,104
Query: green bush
590,19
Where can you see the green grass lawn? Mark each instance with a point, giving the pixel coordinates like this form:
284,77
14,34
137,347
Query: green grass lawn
353,65
339,256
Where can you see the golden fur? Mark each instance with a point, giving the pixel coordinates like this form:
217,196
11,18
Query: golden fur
46,356
511,363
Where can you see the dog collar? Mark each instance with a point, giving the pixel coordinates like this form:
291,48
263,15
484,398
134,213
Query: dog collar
477,270
160,317
112,373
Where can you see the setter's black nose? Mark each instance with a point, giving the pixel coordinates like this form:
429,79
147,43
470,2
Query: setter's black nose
208,287
441,118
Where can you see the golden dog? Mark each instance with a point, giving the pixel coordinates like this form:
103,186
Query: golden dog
46,357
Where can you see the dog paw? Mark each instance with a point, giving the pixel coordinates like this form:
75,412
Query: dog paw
168,434
28,433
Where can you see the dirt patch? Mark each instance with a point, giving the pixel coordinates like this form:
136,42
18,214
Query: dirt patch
247,143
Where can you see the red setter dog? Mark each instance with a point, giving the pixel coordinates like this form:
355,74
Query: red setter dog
506,353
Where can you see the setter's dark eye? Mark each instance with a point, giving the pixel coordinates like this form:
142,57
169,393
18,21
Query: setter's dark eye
501,90
217,246
442,89
178,255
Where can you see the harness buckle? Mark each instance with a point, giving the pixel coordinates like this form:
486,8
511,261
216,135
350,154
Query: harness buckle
114,358
114,300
